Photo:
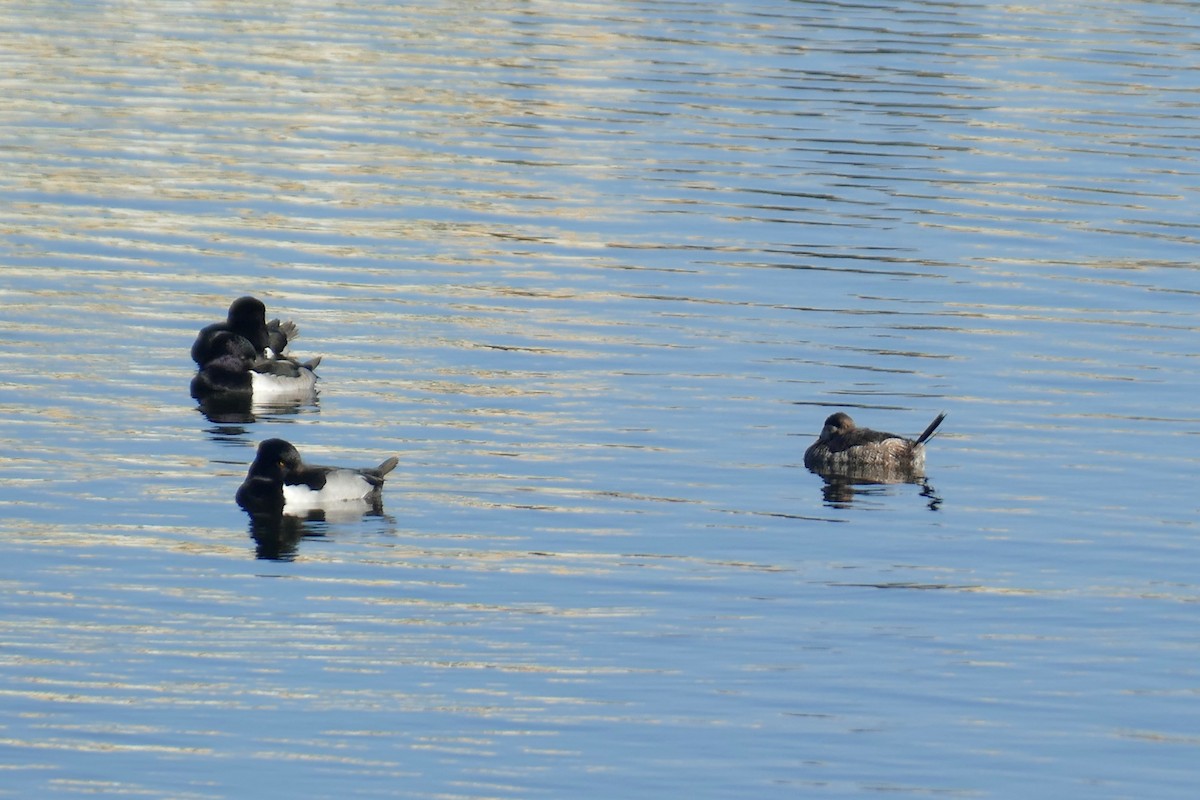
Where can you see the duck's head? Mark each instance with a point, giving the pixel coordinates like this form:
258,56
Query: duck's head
277,454
248,316
836,425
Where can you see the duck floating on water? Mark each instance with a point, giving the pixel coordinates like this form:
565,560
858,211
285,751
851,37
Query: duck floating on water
234,370
843,448
279,482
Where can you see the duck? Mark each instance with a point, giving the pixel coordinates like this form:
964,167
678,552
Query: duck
844,448
247,317
236,370
279,482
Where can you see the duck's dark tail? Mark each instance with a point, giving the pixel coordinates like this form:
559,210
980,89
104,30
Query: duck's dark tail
386,466
933,426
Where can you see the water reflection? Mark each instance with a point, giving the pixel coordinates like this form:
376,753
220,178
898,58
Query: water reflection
225,409
277,537
842,491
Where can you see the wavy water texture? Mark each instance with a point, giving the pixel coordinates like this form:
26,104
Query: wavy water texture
597,272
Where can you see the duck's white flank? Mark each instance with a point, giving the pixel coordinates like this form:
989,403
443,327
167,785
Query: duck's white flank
268,387
341,486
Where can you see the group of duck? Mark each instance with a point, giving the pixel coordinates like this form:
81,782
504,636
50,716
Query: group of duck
245,357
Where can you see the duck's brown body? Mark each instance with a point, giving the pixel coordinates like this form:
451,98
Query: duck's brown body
842,447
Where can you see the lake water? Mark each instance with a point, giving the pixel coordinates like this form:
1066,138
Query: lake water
597,272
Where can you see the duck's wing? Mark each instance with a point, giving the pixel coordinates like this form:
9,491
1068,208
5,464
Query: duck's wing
283,366
308,475
339,479
859,437
279,334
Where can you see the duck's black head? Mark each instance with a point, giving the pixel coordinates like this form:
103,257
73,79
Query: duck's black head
262,491
275,454
248,317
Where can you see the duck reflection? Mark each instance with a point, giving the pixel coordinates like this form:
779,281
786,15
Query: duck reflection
224,411
842,490
277,536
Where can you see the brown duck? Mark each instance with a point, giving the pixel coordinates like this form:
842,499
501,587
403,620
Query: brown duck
843,447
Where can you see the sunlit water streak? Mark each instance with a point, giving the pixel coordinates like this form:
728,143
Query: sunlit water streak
597,272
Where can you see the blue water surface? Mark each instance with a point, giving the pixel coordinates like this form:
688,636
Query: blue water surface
597,273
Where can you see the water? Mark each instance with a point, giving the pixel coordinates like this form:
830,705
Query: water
596,272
